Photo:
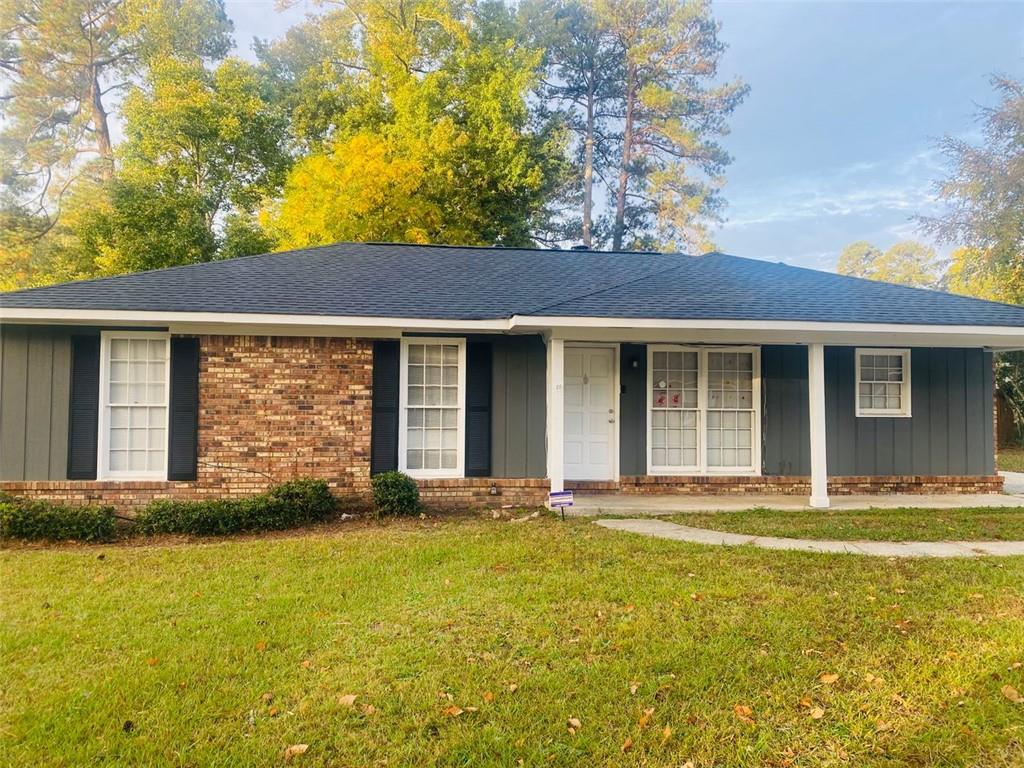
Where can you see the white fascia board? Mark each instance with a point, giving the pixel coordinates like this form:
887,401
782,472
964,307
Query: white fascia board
766,331
220,320
618,329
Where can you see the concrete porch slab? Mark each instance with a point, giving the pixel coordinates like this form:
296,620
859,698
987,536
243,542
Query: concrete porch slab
635,505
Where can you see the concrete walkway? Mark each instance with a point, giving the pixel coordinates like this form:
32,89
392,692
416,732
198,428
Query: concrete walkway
653,505
662,529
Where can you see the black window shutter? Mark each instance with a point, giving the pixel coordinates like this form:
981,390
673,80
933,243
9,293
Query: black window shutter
183,419
384,430
83,421
478,409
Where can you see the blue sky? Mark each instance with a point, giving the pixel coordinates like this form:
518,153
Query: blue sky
835,141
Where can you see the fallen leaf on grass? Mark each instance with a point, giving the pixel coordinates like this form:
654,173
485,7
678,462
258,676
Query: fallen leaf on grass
261,646
645,718
273,711
574,724
666,734
627,745
744,713
881,726
369,709
294,751
512,687
348,700
828,678
452,711
817,713
488,697
1012,694
633,688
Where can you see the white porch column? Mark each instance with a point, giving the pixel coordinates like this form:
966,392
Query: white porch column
556,413
816,401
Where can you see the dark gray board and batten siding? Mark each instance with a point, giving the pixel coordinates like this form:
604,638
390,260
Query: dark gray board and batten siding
505,403
949,432
35,385
49,404
518,407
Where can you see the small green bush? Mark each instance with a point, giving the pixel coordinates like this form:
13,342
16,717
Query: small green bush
395,493
288,505
312,499
45,520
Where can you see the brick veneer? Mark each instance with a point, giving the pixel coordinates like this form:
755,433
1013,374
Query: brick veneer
270,409
796,485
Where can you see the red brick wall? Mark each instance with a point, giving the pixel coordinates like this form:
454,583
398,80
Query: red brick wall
795,485
270,409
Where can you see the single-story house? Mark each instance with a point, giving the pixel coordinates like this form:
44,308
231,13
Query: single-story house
496,375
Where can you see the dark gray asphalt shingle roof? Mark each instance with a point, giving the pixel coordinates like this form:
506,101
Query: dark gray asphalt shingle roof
457,283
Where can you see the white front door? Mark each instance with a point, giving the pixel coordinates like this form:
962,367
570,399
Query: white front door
590,413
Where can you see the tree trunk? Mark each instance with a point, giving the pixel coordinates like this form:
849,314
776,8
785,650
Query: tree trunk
619,229
588,168
104,145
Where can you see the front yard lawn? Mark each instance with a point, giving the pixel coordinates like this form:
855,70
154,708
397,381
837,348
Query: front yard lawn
1011,459
962,524
475,643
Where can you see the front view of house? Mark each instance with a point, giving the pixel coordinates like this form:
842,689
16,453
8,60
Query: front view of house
496,375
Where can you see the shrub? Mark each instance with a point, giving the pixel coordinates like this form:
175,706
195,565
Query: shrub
312,498
284,506
39,520
395,493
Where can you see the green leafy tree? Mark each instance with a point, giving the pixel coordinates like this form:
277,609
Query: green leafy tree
582,83
436,142
670,165
202,149
859,259
984,196
64,64
905,263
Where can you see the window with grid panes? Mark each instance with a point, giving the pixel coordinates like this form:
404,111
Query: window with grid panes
134,405
883,382
675,417
730,409
433,401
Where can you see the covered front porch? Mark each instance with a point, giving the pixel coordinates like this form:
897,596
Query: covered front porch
711,417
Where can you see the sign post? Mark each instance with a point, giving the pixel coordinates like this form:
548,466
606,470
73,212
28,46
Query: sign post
560,500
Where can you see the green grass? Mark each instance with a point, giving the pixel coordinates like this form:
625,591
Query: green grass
1011,459
961,524
226,653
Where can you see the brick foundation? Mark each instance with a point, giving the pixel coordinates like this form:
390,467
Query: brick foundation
476,492
795,485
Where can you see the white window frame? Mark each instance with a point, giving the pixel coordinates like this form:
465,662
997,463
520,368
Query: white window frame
103,471
702,468
898,413
403,406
